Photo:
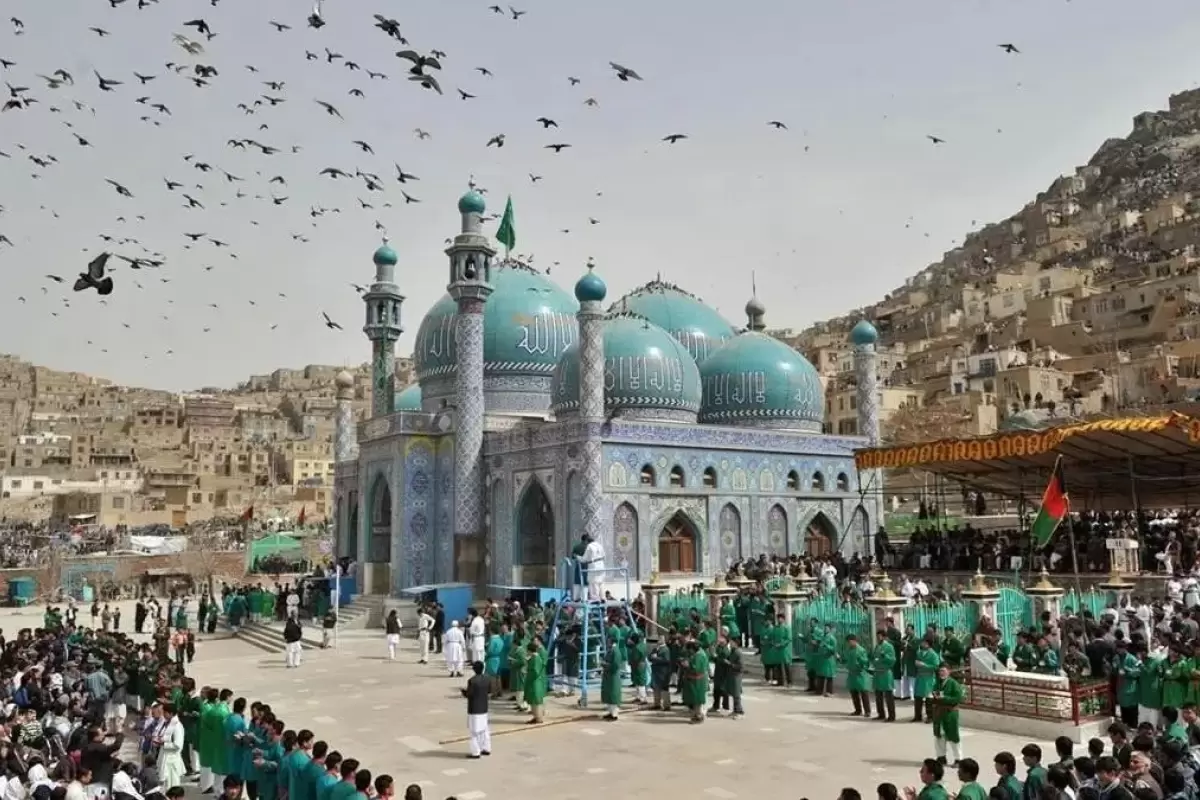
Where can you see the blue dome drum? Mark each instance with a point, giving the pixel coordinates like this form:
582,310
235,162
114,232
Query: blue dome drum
699,328
648,374
409,399
529,322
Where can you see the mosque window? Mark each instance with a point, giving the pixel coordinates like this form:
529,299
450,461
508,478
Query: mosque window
710,478
818,482
677,476
647,476
793,480
843,482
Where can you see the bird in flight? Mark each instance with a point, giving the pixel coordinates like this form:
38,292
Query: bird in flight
330,109
558,148
1008,48
547,122
935,139
94,277
674,137
333,326
777,125
624,73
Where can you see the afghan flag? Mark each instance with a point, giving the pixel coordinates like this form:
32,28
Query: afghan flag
506,234
1055,506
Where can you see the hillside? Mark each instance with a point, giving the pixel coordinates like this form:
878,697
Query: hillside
1106,217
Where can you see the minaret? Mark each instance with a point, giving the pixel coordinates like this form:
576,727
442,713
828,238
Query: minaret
470,286
863,337
345,440
590,292
383,302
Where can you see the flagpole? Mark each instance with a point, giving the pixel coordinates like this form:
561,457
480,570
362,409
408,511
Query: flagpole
1058,468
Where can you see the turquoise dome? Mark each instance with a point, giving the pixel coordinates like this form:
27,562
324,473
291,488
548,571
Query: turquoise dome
864,333
471,203
699,328
755,379
409,399
645,369
528,322
590,288
385,256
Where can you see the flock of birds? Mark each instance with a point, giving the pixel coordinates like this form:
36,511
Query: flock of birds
57,91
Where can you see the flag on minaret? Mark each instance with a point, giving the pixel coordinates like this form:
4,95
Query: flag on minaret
506,234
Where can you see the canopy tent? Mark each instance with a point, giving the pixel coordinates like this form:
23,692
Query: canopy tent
275,544
1112,463
158,545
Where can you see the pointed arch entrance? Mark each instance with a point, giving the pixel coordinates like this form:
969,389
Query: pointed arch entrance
819,536
677,546
377,571
777,532
534,539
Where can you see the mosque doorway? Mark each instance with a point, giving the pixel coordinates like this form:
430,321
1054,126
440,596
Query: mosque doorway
535,538
379,545
677,546
819,536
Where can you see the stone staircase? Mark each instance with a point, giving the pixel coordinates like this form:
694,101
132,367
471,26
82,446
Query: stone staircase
362,613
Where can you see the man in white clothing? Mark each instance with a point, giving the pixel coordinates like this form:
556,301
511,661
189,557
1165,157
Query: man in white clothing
593,561
454,647
477,630
170,755
424,629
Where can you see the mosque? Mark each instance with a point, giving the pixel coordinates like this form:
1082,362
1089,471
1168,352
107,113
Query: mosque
680,442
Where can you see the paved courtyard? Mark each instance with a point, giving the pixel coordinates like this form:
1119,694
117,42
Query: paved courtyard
409,720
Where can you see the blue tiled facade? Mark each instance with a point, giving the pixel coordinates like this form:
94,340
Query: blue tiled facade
602,443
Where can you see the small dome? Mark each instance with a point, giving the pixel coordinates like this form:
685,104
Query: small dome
528,322
471,203
647,373
757,380
755,307
590,288
409,399
864,333
385,256
699,328
343,380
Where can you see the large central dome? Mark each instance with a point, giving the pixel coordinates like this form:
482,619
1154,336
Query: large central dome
697,327
528,323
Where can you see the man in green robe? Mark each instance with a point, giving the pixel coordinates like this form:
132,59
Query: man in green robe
517,656
1127,668
810,641
267,759
491,662
858,676
759,610
827,666
639,667
610,680
216,734
535,680
968,773
769,654
953,651
203,754
728,618
695,694
235,744
946,696
295,768
883,662
927,661
187,705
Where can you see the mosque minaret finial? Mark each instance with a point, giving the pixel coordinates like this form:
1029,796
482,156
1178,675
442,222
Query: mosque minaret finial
383,301
590,291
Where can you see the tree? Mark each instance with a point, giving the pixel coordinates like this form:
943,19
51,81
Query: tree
204,544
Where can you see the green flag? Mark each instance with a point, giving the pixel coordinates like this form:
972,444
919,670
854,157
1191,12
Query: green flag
506,234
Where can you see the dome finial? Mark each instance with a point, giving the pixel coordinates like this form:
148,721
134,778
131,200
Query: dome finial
754,308
385,256
864,334
590,288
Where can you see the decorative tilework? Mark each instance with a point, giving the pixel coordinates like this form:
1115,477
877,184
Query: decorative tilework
443,536
418,565
383,377
379,518
730,523
468,432
777,531
625,537
344,432
574,508
501,545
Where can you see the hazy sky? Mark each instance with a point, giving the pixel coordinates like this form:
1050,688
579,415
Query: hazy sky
818,211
